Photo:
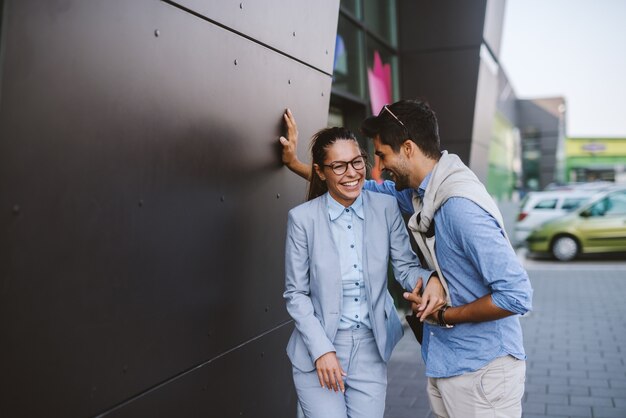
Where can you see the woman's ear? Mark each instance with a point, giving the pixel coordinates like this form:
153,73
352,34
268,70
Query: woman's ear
319,172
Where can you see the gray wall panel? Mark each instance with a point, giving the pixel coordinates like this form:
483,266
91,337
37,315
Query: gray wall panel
494,21
300,28
447,80
144,206
442,24
220,388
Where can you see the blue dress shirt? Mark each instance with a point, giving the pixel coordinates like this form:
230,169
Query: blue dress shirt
476,259
346,225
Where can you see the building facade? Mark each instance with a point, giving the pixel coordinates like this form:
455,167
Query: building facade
595,159
143,200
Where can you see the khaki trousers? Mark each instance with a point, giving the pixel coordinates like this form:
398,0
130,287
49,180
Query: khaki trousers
494,391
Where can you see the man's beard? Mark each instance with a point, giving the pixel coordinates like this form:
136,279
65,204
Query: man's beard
401,181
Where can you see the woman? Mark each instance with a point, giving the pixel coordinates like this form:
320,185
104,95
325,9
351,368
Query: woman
338,246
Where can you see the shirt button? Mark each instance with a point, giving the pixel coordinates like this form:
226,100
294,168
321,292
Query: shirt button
356,284
349,226
347,210
356,299
356,316
358,326
352,246
355,266
432,333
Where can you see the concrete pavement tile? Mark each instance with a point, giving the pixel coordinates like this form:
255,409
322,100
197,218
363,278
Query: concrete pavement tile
592,383
587,366
620,402
403,411
617,383
568,373
548,398
569,410
569,390
609,375
607,393
601,412
590,401
536,371
562,364
546,380
400,401
534,407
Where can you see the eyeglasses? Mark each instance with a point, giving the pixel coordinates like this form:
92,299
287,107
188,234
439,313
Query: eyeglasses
386,108
340,167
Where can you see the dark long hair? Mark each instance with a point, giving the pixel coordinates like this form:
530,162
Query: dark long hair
320,142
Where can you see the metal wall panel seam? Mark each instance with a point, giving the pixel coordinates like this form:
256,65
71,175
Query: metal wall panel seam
243,35
186,372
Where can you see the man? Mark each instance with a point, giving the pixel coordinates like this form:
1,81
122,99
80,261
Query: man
475,360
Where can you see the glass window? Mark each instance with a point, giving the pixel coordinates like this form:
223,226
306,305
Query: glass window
572,203
353,7
599,208
616,204
348,70
546,204
380,18
382,75
335,117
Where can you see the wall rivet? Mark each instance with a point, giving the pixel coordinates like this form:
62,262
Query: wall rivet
322,94
241,6
124,369
267,309
327,52
157,33
222,198
294,33
140,203
277,195
262,354
16,209
289,81
236,62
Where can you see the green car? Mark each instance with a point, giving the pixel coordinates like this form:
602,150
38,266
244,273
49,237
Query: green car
596,227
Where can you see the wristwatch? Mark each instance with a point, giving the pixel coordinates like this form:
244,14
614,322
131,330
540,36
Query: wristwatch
441,319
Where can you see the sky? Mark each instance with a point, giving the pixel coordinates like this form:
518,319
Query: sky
570,48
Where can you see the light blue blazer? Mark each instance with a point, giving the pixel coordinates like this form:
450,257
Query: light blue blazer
313,287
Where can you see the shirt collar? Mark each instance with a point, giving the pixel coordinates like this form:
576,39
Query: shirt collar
335,209
422,189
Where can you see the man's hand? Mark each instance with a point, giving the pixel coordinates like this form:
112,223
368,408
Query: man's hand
432,300
329,372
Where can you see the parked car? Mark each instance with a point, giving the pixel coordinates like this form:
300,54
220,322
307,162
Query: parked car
539,207
596,227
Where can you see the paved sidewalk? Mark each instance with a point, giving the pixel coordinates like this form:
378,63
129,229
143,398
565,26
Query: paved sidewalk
406,390
575,340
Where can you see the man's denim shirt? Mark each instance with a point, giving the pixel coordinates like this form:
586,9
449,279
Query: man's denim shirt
476,259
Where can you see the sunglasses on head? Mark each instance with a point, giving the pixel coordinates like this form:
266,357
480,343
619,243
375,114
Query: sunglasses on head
393,115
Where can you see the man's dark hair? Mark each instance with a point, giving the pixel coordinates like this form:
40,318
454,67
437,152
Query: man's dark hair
415,121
